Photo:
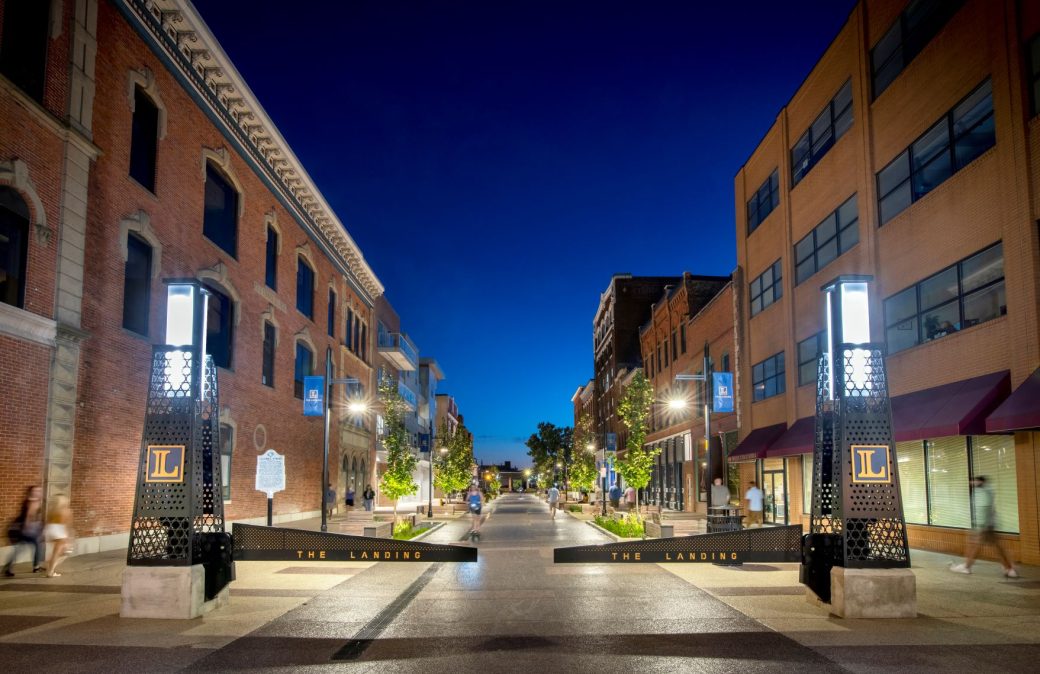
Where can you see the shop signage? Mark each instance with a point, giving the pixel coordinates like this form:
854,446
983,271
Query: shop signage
165,463
313,396
256,543
870,464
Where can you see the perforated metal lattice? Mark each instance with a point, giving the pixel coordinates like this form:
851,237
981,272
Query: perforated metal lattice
168,517
273,543
868,515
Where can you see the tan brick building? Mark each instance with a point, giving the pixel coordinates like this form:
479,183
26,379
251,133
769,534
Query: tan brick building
911,152
132,151
695,314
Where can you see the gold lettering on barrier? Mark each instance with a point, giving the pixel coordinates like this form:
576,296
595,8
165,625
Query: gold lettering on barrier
417,555
321,554
310,554
637,557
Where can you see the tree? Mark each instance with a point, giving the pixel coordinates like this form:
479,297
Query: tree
582,469
549,446
397,481
634,412
493,486
453,468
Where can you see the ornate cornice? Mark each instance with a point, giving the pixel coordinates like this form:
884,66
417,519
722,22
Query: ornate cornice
177,30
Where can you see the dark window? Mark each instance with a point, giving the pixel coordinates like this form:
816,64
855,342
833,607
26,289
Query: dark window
1033,67
271,274
220,219
144,138
915,28
332,313
725,362
838,232
304,368
766,288
348,336
682,337
267,375
137,284
219,326
357,335
767,377
952,143
304,288
14,247
763,201
658,357
675,345
821,135
960,296
23,47
809,351
227,448
666,352
364,343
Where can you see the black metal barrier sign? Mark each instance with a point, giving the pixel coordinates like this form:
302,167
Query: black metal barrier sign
258,543
767,544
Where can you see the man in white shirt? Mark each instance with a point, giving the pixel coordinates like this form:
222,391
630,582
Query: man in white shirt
754,498
554,500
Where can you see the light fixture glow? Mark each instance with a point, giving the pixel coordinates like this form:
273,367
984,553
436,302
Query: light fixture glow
676,404
855,313
180,314
357,407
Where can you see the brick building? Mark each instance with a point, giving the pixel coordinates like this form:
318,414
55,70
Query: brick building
132,151
623,308
694,314
911,152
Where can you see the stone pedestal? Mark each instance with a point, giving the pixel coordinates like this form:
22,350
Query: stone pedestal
873,593
167,592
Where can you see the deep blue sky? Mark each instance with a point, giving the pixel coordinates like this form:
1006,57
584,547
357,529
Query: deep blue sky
498,161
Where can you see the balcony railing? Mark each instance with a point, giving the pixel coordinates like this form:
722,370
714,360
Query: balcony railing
407,394
397,348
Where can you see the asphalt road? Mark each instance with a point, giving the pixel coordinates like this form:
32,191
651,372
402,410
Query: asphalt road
515,611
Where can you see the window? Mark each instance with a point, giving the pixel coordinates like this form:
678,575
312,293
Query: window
725,363
348,333
682,337
219,324
809,351
838,232
267,374
993,457
14,251
137,284
949,498
332,313
658,357
304,287
364,343
916,26
271,273
763,201
304,368
964,133
665,345
675,345
767,377
220,218
960,296
913,483
23,47
227,447
357,335
144,139
766,288
1033,66
821,135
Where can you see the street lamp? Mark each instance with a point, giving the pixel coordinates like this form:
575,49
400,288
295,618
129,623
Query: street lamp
355,406
679,403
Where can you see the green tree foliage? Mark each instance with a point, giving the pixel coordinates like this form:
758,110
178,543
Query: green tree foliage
582,469
635,467
549,446
400,461
493,486
453,469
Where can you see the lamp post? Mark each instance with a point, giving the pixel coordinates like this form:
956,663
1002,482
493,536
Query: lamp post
705,378
355,406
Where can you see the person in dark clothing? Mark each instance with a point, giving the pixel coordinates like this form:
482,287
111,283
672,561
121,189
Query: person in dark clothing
27,529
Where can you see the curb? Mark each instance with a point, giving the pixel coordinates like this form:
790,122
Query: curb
618,539
428,531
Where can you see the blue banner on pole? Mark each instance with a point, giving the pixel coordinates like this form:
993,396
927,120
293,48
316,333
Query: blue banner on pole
313,396
611,442
722,391
424,442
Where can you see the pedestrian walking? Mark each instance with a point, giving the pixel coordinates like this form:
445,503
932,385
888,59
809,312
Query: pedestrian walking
58,532
630,497
554,500
719,493
350,497
476,505
330,500
27,529
615,496
369,497
985,532
753,498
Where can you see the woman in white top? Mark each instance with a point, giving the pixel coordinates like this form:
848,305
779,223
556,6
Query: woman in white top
59,522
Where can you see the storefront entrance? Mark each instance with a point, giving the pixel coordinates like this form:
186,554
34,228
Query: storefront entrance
774,490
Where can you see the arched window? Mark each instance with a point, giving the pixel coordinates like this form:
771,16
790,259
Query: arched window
304,287
137,284
267,376
144,139
23,47
304,367
220,218
220,325
14,242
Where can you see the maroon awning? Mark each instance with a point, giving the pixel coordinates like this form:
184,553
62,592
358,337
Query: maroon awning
754,446
798,439
1021,411
958,408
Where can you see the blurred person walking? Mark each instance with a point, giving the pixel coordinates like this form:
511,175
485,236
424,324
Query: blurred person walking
985,532
27,529
58,532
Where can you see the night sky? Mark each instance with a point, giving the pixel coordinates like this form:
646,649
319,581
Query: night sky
498,161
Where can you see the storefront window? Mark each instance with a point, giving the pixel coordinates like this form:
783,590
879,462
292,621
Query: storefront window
948,488
807,483
912,483
993,456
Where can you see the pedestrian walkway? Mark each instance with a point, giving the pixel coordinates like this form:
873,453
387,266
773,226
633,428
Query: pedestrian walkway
515,608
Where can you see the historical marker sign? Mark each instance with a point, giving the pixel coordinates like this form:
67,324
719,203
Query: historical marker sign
270,472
